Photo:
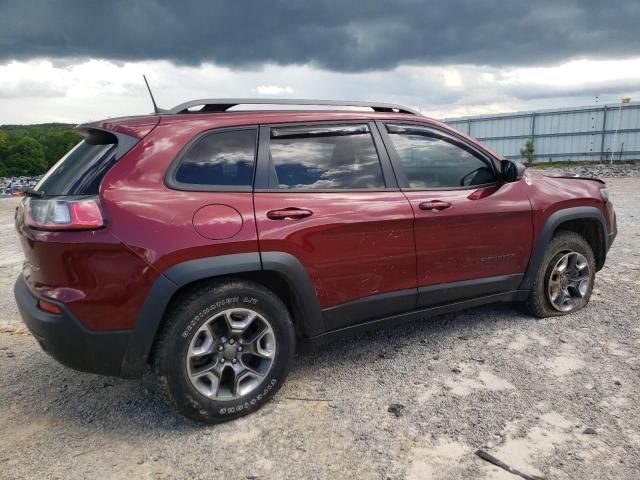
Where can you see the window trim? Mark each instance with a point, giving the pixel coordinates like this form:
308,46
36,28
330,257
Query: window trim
171,182
448,136
261,184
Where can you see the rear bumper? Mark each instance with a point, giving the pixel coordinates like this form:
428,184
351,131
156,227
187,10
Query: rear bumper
67,340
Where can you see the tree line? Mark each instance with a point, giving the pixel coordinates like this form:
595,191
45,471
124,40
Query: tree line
31,150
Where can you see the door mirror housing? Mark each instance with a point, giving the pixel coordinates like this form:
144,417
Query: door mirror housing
511,171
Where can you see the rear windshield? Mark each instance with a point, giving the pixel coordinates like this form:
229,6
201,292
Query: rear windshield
80,171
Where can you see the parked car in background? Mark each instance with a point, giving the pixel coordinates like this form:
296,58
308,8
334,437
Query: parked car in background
209,243
14,186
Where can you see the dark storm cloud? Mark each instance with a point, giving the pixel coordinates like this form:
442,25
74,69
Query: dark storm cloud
337,35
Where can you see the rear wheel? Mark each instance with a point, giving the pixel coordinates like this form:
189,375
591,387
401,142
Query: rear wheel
225,350
565,278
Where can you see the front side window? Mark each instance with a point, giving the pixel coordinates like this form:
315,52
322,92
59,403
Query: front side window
332,157
431,161
220,159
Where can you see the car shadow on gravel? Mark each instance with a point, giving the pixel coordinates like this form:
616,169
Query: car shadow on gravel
115,405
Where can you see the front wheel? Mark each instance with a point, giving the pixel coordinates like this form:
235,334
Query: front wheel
565,278
224,351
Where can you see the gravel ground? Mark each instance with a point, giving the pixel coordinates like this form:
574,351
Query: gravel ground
600,170
557,398
10,264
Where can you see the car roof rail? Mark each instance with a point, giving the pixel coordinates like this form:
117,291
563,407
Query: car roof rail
213,105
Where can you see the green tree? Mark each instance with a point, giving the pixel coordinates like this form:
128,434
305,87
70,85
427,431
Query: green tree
4,145
4,148
26,157
56,139
57,144
528,150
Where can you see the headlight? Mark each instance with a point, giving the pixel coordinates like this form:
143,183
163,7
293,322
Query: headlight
604,191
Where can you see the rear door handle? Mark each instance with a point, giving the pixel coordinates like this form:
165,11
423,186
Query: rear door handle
292,213
434,205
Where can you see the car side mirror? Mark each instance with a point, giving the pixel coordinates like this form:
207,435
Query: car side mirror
511,171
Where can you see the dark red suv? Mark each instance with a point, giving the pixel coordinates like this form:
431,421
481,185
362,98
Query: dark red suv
209,243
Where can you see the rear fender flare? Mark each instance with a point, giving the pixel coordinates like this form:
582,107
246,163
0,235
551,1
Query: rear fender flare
289,267
297,278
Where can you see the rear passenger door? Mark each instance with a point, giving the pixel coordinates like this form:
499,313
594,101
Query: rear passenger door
473,232
326,194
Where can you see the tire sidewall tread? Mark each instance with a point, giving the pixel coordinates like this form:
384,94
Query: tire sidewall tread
186,317
538,303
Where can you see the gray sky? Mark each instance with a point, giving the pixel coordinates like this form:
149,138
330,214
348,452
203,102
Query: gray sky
63,60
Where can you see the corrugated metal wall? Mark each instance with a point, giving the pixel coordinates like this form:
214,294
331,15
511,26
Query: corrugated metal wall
582,133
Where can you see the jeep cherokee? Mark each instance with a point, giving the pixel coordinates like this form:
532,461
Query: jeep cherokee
209,242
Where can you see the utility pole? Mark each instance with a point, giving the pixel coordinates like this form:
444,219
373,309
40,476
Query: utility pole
615,136
592,138
603,135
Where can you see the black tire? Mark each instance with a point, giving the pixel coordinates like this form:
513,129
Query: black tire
539,304
183,321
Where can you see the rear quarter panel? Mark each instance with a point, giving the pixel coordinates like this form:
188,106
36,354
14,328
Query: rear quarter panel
102,282
155,221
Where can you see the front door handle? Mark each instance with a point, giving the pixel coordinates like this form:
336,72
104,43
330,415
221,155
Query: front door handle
292,213
434,205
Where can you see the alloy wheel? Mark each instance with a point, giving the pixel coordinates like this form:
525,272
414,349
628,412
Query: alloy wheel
230,354
569,281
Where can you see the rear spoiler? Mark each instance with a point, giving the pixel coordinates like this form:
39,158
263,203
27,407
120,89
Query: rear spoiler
136,127
126,132
99,136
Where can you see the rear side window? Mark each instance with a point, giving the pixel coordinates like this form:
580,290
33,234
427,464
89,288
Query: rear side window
431,160
224,159
335,157
81,170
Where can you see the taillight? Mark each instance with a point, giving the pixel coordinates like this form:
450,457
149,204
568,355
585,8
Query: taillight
63,213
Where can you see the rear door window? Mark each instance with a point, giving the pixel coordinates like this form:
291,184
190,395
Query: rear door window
222,159
324,158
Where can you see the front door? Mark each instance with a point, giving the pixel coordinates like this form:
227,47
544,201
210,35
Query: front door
473,233
328,203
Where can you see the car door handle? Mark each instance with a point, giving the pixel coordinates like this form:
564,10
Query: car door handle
292,213
434,205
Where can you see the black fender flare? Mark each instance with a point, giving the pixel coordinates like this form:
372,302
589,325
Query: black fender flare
549,227
297,278
152,311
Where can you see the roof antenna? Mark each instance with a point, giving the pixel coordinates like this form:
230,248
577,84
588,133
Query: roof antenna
156,110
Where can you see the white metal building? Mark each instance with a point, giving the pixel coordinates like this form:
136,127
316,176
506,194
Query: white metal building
599,132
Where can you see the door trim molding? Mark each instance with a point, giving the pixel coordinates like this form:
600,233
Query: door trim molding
444,293
368,308
420,314
374,307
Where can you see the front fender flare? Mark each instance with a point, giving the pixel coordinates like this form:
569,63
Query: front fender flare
548,229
